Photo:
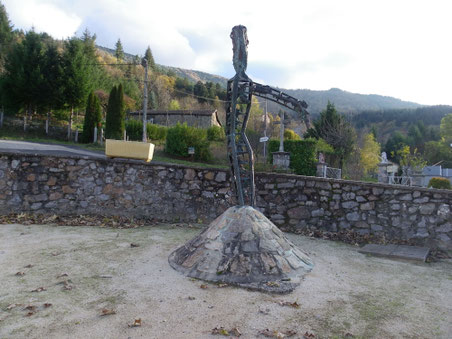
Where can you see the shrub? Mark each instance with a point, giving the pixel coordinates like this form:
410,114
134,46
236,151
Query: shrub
156,132
134,130
441,183
216,133
302,154
180,137
291,135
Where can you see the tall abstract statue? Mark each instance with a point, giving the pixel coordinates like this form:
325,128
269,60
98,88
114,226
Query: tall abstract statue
240,90
241,246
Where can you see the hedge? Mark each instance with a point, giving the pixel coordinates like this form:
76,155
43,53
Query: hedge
134,130
302,155
180,137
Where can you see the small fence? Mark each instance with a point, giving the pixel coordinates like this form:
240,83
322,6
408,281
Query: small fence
330,172
396,180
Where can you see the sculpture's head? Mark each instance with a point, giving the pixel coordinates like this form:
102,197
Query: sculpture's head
240,48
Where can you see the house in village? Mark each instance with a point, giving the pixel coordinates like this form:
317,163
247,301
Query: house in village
194,118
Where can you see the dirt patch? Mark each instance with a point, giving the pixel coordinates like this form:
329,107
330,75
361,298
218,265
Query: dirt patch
85,270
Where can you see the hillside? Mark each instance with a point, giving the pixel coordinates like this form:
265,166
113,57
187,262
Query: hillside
345,102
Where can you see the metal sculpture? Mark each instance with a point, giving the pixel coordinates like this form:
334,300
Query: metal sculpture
240,90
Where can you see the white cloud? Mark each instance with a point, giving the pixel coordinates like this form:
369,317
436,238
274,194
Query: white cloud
398,48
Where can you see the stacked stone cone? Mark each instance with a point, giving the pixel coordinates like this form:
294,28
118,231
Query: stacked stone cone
242,247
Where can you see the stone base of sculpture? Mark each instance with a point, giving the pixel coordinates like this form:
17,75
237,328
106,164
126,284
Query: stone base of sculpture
243,248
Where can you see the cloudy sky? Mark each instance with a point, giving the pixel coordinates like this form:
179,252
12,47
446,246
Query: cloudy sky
395,48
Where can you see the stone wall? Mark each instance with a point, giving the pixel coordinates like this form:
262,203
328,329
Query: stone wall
74,185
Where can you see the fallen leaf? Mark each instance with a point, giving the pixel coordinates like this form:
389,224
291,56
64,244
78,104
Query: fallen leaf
136,323
11,306
235,332
29,314
67,287
106,311
308,335
46,305
39,289
220,331
55,253
276,334
62,275
222,285
29,266
20,273
272,284
30,307
203,286
134,245
191,298
288,303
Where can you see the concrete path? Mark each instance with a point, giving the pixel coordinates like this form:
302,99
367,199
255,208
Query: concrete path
396,251
25,147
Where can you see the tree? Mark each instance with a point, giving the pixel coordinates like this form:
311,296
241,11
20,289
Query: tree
6,35
119,51
23,79
115,118
150,58
174,105
93,118
396,142
370,153
336,131
445,129
110,119
77,77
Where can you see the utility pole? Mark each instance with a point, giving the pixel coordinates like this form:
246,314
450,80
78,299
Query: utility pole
265,132
281,131
145,98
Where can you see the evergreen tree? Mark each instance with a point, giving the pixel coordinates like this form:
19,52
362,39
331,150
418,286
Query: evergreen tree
150,58
23,79
77,76
152,100
6,35
110,121
93,118
119,51
120,111
336,131
115,119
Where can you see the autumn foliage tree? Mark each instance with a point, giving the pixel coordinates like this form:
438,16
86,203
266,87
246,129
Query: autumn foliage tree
370,153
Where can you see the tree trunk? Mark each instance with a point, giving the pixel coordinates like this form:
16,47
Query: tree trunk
69,126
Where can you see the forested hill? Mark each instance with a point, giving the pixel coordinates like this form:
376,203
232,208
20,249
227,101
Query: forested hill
345,102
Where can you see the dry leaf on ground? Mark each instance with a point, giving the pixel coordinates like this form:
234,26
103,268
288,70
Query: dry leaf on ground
276,334
203,286
106,311
20,273
288,303
39,289
136,323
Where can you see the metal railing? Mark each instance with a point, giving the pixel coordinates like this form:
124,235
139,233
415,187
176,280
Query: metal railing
335,173
396,180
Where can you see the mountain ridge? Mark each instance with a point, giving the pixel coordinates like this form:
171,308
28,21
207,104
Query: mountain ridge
344,101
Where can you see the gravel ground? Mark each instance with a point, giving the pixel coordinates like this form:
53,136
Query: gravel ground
77,272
